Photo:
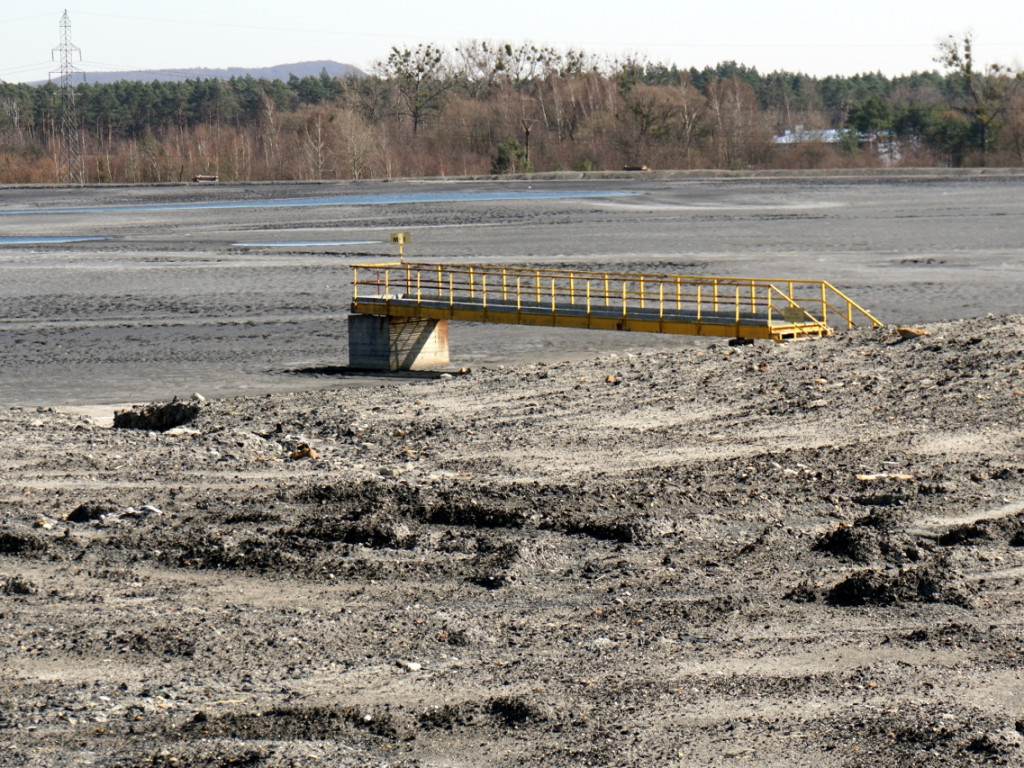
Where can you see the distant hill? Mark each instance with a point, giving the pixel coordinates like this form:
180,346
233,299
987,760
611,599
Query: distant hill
279,72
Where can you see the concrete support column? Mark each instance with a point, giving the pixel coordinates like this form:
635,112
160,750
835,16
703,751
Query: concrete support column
381,343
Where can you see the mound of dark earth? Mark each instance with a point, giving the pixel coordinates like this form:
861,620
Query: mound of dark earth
806,554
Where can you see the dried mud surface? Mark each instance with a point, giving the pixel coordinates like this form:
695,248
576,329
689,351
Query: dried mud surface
240,289
807,554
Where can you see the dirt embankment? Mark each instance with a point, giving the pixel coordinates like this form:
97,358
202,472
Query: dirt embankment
807,554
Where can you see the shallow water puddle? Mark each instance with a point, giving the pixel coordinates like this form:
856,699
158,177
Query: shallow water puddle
305,243
36,240
310,202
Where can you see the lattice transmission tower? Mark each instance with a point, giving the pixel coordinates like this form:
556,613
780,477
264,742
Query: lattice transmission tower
72,170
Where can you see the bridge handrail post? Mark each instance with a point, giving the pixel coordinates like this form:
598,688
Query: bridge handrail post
355,284
519,294
624,283
504,290
451,289
419,293
472,294
572,289
440,288
679,295
851,305
661,300
588,297
824,305
699,305
553,297
483,288
536,279
641,291
737,304
714,305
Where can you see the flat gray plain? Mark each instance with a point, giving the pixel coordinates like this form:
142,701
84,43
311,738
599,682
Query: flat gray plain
168,303
781,555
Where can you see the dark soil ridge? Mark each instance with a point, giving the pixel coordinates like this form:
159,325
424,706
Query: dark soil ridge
731,555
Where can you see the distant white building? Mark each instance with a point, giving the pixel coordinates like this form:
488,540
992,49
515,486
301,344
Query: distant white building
884,143
801,135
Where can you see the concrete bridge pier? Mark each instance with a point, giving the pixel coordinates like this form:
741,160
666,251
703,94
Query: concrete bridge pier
382,343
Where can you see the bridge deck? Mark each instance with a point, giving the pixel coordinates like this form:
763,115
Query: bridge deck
699,306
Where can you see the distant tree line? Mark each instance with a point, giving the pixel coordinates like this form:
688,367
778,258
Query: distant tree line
498,108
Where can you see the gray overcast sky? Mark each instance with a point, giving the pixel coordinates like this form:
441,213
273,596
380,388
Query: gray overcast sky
822,37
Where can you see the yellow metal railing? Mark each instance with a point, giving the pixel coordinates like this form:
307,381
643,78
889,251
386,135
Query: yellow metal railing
804,307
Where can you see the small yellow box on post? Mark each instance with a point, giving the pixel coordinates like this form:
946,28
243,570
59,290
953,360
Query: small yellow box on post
400,239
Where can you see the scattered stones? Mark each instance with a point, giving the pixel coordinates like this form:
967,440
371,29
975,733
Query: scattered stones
907,332
144,511
16,585
561,561
303,452
1004,743
883,476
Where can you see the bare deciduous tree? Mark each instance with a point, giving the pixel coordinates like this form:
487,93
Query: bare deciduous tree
315,146
422,79
356,142
738,132
692,109
650,114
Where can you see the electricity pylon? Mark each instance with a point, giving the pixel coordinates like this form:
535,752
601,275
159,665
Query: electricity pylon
71,165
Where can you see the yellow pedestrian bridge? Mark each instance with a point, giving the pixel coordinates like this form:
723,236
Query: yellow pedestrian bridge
742,308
